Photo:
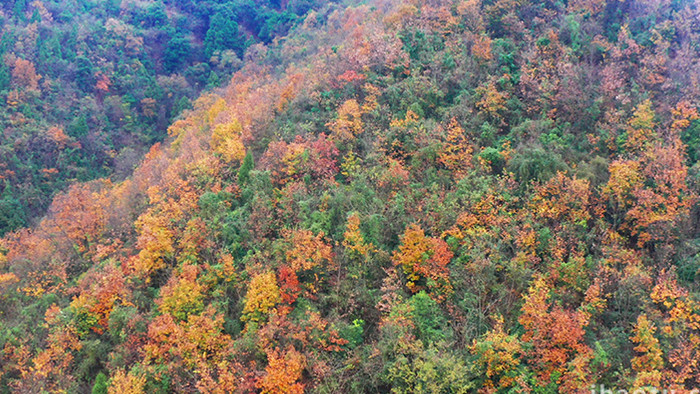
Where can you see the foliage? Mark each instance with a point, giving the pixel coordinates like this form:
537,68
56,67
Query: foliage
113,76
371,196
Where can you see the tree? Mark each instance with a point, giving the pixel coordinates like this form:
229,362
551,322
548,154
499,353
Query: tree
424,261
5,77
660,207
481,48
101,384
223,33
52,365
85,76
246,167
191,353
686,124
103,83
563,200
323,163
19,8
176,53
183,295
12,213
263,294
556,336
290,288
492,102
283,372
430,323
80,214
498,355
649,362
226,141
625,178
457,152
348,125
100,292
649,195
640,132
353,239
308,256
24,75
126,383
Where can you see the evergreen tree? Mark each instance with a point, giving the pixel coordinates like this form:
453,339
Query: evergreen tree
223,33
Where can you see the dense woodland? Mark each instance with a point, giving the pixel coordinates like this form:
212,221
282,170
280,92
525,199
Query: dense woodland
423,196
88,86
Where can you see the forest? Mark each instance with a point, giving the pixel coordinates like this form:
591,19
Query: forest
356,196
89,86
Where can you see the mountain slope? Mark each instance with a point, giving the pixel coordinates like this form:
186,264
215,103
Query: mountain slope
426,196
89,86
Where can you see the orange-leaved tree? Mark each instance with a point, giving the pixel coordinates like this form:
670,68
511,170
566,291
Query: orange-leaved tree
424,261
283,372
556,335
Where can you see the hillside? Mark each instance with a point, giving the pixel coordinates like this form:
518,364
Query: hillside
88,86
391,196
